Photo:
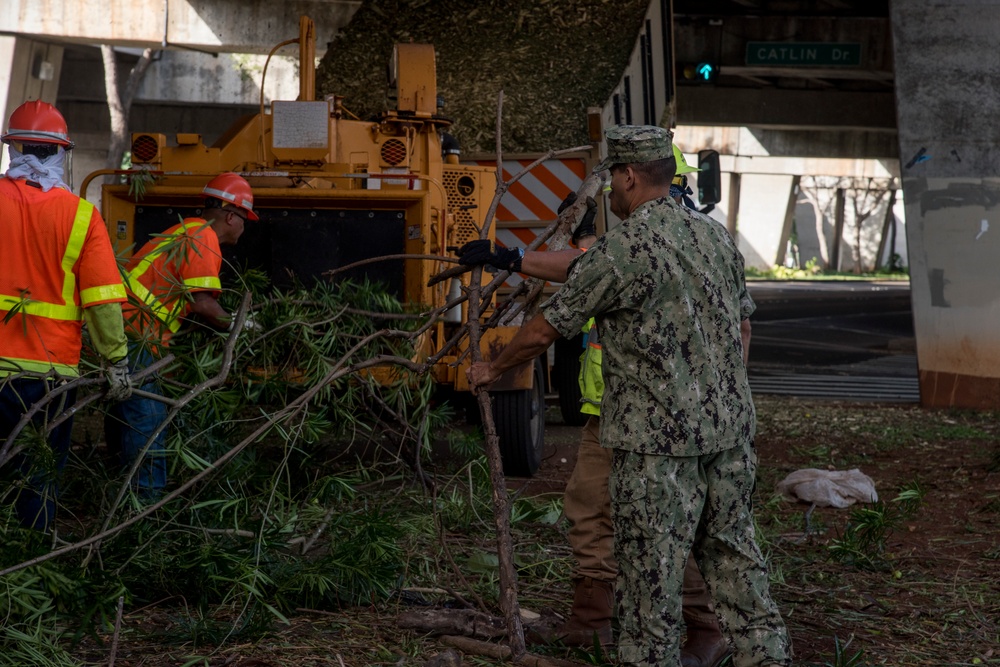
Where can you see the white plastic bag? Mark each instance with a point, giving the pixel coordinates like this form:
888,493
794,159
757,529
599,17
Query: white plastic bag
829,488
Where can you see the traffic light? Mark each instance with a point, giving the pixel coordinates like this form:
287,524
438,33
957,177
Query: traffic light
703,72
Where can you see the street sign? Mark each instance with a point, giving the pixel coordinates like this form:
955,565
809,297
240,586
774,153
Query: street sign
804,54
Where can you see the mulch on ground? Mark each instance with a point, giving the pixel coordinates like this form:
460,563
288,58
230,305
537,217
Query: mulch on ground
935,600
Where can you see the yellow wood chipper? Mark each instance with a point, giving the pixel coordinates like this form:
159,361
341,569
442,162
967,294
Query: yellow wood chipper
332,190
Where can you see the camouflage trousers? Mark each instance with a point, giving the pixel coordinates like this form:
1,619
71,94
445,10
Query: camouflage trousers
665,507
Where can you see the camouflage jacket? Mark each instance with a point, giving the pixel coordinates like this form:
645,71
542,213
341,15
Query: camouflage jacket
668,291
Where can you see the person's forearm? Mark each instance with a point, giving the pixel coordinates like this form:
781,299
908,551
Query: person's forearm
206,306
107,332
529,342
549,265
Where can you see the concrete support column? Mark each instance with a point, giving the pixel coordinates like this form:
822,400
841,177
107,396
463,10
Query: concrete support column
948,97
29,70
786,227
763,204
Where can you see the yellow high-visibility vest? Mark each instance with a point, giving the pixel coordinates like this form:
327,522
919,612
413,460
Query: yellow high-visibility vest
591,378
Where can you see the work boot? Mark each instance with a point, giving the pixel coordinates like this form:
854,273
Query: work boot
593,605
705,645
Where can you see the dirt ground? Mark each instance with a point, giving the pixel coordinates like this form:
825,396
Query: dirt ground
937,600
933,599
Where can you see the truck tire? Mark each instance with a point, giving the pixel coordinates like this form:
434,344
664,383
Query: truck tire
519,417
566,379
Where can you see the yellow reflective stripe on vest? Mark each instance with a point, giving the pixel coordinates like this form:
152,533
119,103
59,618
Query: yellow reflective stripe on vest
53,311
67,310
102,293
81,223
12,366
208,282
170,317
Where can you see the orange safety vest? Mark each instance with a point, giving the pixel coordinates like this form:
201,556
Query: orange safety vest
55,260
164,273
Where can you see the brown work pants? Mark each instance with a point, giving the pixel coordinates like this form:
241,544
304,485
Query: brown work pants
587,505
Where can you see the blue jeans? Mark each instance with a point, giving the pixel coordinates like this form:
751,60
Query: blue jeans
35,504
129,425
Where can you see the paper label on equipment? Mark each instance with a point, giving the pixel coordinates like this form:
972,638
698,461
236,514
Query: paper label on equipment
396,181
301,124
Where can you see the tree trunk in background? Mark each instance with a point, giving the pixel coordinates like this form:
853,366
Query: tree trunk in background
813,188
865,202
120,101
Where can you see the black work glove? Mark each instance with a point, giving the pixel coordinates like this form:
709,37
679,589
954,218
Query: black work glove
586,227
569,201
480,252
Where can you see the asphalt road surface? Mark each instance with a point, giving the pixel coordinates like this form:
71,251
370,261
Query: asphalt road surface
851,340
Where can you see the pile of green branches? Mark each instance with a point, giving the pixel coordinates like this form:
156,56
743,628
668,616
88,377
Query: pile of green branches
282,525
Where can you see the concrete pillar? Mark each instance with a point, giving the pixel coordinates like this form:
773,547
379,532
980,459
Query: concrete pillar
763,202
895,234
7,44
788,223
181,75
29,70
948,96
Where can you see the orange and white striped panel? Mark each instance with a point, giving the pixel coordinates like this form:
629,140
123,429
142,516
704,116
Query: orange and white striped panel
533,200
537,194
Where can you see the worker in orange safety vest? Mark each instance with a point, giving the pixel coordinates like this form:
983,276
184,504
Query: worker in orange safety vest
57,272
174,276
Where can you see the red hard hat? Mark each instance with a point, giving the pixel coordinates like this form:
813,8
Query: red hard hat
37,122
232,188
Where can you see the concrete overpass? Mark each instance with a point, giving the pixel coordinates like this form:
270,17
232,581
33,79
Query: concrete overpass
207,71
216,26
883,94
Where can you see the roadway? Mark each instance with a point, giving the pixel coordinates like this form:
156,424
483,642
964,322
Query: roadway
850,340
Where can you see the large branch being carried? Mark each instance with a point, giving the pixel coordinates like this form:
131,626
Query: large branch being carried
558,239
479,298
339,370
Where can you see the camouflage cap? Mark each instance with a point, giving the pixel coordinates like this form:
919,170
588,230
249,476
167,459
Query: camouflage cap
636,143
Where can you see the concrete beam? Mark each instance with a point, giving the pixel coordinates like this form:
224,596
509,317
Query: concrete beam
786,109
181,76
847,147
221,26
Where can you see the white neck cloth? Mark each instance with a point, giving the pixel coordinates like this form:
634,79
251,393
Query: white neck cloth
46,172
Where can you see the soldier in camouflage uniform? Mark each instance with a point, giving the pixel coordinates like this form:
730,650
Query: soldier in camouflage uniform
587,500
668,291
